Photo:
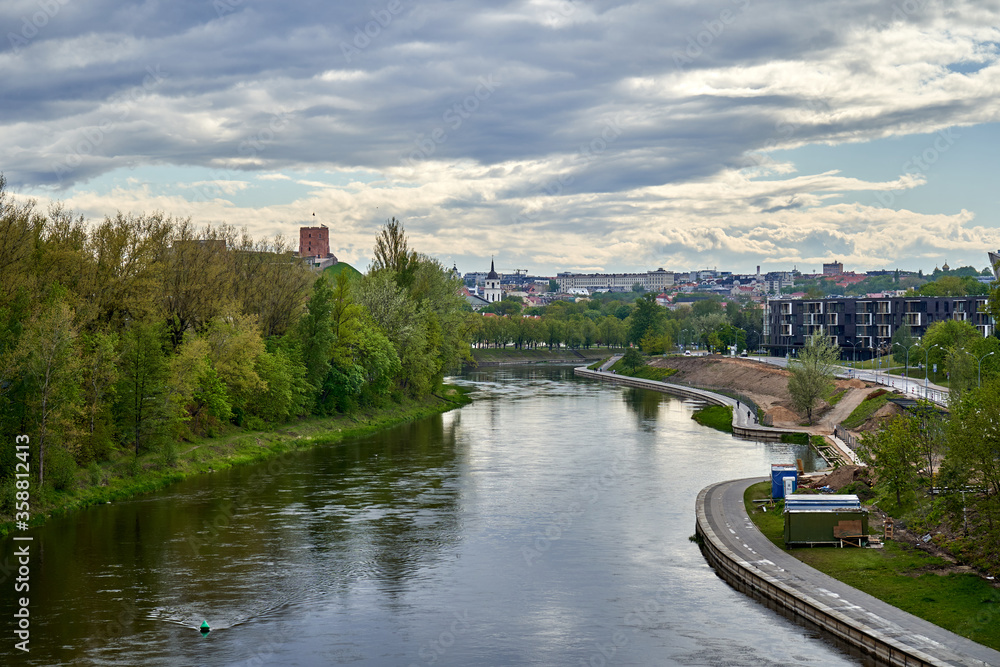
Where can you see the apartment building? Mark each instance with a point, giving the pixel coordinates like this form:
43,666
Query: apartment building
859,325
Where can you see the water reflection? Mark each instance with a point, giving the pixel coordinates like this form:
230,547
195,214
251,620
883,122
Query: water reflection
526,528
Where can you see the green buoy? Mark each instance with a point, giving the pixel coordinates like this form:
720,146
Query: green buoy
204,628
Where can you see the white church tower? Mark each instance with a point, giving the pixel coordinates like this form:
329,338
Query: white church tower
492,292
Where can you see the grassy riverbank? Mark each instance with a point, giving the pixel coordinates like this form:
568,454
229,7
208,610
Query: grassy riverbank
719,417
127,476
916,582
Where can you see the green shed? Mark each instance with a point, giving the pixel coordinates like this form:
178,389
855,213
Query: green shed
815,520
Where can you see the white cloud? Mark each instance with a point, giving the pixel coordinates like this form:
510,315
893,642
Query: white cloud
527,164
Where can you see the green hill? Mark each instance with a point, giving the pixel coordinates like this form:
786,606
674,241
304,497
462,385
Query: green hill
332,271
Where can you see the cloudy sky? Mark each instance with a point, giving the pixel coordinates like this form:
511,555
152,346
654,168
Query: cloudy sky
555,134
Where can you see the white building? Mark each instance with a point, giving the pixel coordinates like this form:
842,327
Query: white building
492,292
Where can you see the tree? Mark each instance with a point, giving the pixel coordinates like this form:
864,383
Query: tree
100,372
51,361
647,316
893,455
812,373
973,444
142,385
392,253
632,359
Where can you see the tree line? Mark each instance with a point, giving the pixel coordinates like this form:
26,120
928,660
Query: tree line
617,320
128,335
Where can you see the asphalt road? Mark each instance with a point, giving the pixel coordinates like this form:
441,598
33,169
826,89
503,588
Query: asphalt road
733,530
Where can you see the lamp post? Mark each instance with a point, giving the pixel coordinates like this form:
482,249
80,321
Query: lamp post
927,352
860,342
980,373
906,367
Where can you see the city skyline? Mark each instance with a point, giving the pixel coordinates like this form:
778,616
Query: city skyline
581,136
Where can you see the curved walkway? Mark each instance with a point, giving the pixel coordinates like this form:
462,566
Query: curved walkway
744,421
746,559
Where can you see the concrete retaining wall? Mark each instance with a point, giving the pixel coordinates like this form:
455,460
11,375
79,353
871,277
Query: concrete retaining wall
746,579
750,432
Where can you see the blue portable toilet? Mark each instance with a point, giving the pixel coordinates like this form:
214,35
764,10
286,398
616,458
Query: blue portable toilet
780,471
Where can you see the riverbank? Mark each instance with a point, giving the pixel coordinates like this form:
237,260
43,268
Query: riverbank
743,556
919,583
498,356
127,476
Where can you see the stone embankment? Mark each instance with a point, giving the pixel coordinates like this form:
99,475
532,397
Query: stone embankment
744,421
748,561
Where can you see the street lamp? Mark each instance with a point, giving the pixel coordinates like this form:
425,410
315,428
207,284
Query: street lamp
981,367
927,351
906,367
860,342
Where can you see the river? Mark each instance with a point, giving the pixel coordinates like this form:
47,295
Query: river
547,523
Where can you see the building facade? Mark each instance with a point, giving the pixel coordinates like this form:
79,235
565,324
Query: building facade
833,269
314,246
492,293
651,281
859,326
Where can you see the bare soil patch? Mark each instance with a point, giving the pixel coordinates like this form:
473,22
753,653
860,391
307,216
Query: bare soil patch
765,385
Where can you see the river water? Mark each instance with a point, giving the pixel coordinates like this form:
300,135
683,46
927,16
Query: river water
547,523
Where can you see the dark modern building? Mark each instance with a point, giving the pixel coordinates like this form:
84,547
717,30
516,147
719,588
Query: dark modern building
861,325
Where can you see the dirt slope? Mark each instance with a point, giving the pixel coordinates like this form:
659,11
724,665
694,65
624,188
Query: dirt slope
765,385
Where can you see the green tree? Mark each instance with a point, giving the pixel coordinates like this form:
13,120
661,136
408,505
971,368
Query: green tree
893,454
99,373
632,359
141,392
392,253
973,445
51,361
812,373
648,316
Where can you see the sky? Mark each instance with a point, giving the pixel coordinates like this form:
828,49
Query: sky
553,135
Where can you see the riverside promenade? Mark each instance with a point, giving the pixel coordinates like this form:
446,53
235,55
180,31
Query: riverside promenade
752,564
744,421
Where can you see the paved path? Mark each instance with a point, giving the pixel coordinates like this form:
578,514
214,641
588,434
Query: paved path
720,506
745,423
909,386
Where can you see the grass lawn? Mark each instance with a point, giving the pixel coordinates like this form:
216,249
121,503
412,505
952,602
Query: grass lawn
867,408
644,372
899,575
719,417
